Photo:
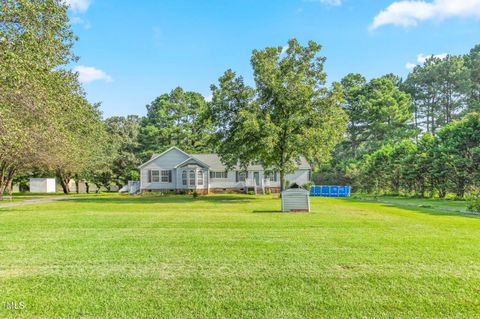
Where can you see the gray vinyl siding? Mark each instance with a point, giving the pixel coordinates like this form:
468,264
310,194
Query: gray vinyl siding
295,199
229,182
165,162
300,177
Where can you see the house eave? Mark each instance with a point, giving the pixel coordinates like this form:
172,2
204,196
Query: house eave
192,159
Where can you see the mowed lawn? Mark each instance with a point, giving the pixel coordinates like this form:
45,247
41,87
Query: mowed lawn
235,256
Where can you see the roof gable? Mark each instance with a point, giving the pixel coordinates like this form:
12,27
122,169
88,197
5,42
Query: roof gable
193,160
182,156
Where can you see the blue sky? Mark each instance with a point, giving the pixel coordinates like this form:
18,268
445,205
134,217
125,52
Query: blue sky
132,51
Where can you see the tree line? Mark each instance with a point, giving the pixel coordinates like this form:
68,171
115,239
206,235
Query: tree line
418,135
45,120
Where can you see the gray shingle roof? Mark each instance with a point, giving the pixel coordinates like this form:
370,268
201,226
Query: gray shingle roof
213,160
215,164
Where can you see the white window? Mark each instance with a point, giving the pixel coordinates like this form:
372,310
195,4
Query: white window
166,176
242,176
200,178
218,175
273,176
155,176
184,178
192,178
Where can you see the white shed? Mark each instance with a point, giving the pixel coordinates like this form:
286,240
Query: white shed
42,185
295,200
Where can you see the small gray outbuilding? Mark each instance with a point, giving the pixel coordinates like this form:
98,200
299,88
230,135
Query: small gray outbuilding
42,185
295,200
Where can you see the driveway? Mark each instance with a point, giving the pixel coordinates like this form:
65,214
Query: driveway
5,204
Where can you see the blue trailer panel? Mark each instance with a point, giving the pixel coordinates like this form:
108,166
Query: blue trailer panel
330,191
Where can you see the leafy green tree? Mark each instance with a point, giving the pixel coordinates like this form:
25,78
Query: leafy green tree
35,43
472,62
375,170
423,87
438,173
176,119
454,82
399,178
357,126
388,112
290,113
439,91
379,113
419,165
236,118
460,144
87,147
123,132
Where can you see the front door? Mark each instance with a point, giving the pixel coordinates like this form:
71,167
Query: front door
256,178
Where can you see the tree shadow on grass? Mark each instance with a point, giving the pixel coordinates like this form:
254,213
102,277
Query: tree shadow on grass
267,212
169,199
431,210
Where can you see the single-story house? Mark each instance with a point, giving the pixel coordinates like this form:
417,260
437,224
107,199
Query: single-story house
175,171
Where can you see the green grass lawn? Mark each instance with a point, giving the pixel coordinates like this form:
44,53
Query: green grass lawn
435,203
235,256
23,196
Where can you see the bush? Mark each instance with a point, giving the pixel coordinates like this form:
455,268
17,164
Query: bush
473,203
194,194
251,193
307,186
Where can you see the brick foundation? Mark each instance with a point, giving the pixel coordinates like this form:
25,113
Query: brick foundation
226,190
273,190
176,191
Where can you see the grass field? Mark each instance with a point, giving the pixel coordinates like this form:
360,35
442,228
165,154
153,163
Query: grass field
435,203
235,256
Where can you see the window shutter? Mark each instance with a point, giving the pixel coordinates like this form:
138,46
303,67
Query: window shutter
236,176
211,174
275,176
170,176
246,174
149,176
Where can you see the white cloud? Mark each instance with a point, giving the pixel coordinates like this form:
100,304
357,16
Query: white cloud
410,66
87,74
78,5
76,20
407,13
328,2
332,2
79,21
422,58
